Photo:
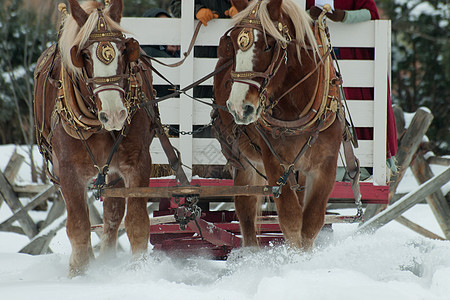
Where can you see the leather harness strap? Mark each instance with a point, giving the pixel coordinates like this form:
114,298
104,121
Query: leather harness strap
186,54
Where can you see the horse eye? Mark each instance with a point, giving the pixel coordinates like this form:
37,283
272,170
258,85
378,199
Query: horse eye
84,55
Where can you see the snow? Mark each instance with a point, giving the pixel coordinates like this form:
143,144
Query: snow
393,263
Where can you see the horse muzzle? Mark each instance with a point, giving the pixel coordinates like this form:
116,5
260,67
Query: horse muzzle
113,120
244,114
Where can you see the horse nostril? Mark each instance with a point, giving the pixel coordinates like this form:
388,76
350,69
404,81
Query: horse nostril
103,117
248,110
123,114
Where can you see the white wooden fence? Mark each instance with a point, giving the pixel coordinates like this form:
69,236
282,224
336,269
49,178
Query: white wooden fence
187,113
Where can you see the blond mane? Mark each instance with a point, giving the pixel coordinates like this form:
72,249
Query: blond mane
73,35
301,20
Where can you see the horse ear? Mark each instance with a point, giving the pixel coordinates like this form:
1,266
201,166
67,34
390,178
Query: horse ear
78,13
77,60
115,10
274,8
133,50
240,4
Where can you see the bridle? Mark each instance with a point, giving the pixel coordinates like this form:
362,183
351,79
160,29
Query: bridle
105,52
245,41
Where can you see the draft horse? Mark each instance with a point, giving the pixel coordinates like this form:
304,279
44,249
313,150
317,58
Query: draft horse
282,96
90,88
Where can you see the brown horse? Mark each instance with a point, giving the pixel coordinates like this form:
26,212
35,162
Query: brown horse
88,92
282,97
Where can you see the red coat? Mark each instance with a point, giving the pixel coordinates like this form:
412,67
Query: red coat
365,93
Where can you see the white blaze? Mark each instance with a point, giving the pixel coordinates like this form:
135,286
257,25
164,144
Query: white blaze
244,63
110,99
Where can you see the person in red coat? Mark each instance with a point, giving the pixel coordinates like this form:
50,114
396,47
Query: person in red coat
354,11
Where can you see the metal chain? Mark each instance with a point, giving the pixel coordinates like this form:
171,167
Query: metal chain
182,132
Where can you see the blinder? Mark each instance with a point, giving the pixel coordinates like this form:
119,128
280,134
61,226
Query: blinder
76,57
225,49
132,50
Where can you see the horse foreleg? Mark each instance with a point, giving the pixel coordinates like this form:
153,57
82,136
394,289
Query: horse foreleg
319,187
290,217
137,224
247,207
137,221
289,207
113,212
246,211
78,226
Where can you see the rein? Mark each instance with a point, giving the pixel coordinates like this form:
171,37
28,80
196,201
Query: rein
186,54
191,86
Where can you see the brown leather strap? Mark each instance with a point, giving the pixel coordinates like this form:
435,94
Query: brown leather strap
169,150
172,156
306,76
194,84
186,54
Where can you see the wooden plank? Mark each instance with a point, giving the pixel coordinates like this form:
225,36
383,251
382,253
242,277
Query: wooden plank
262,220
57,210
40,243
406,149
438,160
436,201
29,189
405,203
187,26
329,219
417,228
370,193
13,167
409,144
341,192
381,73
362,35
399,116
205,191
356,73
361,111
207,151
22,213
98,228
28,225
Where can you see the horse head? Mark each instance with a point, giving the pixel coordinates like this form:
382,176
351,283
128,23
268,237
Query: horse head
95,52
264,32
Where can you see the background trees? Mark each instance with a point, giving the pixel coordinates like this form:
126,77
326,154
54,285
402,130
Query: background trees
24,33
421,62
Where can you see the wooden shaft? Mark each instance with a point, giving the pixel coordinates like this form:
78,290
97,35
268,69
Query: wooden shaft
204,191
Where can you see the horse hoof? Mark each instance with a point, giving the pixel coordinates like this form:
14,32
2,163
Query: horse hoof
75,272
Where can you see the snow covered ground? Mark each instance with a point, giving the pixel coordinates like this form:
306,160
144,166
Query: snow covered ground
394,263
